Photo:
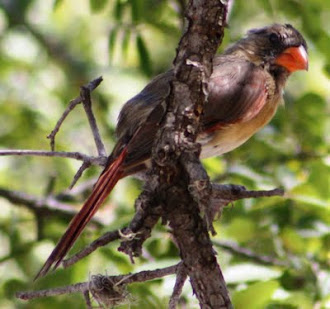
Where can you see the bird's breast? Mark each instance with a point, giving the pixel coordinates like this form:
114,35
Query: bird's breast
233,135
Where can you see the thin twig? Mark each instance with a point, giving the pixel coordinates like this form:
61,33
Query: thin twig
88,300
181,277
82,287
67,111
91,86
79,173
41,206
236,192
249,254
99,242
85,94
62,154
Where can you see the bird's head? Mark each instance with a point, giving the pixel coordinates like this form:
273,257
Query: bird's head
278,46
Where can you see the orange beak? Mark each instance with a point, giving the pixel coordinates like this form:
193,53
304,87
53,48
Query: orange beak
293,59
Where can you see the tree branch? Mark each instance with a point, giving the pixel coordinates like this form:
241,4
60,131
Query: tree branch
85,95
181,277
73,103
249,254
61,154
146,217
106,282
175,154
41,206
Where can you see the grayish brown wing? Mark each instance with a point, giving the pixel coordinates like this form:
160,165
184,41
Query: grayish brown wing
238,90
136,111
139,119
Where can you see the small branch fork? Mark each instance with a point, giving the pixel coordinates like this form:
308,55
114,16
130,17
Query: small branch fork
101,159
85,99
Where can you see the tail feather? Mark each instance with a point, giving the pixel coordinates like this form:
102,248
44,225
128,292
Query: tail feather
102,189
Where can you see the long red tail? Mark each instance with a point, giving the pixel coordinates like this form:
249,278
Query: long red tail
102,189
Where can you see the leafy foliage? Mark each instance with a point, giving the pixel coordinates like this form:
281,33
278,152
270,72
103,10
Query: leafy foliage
48,49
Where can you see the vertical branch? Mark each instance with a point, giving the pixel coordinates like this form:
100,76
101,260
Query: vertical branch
87,103
177,178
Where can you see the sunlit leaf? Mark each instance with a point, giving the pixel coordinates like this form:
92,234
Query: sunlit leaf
57,3
97,5
255,296
125,42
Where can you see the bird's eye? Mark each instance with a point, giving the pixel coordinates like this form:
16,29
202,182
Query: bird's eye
274,38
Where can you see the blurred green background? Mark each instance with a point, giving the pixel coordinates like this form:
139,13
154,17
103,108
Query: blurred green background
49,48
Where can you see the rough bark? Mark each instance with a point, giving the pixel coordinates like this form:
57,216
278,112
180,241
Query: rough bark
177,178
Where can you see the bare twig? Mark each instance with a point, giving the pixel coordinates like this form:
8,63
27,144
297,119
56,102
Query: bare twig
67,111
80,171
41,206
85,94
181,277
61,154
101,241
236,192
249,254
91,86
82,287
88,300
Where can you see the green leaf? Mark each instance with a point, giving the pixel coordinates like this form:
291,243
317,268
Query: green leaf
112,42
255,296
118,10
11,287
57,3
241,229
136,6
97,5
143,53
125,42
326,70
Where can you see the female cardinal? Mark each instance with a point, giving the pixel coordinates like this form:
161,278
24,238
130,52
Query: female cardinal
245,90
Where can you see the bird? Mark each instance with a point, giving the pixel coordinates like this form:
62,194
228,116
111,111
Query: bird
245,89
